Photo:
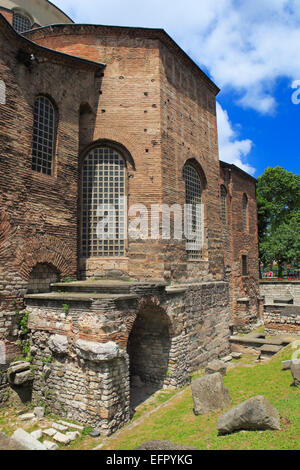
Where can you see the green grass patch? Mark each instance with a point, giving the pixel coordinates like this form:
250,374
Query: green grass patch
177,422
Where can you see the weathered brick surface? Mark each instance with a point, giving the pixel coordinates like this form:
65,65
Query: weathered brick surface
161,107
39,214
238,242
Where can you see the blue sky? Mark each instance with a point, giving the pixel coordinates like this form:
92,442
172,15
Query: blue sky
250,48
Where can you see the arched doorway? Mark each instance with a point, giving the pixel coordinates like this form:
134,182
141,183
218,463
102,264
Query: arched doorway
148,348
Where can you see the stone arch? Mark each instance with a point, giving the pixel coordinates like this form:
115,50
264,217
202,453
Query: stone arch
114,144
195,164
45,249
149,345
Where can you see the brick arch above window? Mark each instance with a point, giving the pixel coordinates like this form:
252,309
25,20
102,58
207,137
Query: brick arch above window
196,165
113,144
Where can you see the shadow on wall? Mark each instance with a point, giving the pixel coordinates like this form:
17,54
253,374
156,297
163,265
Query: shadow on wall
42,275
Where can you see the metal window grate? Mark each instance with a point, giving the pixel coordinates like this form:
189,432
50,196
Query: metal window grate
193,197
224,204
43,135
21,23
103,192
245,212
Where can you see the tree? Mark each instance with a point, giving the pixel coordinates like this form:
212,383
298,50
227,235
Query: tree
278,201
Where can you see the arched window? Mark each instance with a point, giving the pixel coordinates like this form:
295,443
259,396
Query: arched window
44,135
193,212
224,204
21,22
245,212
103,204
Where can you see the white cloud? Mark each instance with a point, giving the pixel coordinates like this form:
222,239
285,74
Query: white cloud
231,149
246,45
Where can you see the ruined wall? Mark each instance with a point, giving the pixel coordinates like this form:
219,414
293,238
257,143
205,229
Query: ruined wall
282,319
245,296
83,363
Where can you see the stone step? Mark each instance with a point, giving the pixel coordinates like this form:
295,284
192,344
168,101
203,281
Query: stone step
258,342
269,350
78,297
104,287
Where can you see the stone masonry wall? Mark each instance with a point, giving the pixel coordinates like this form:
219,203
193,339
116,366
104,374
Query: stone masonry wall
84,373
271,290
280,319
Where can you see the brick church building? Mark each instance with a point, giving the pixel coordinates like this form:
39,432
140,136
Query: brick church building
91,115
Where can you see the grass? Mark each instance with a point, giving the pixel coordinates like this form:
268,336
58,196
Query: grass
177,422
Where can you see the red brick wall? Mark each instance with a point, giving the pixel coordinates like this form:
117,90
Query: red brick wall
38,217
238,242
146,90
189,132
8,15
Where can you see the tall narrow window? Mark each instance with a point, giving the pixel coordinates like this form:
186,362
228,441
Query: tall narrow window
44,130
193,212
224,204
103,208
21,22
244,265
245,212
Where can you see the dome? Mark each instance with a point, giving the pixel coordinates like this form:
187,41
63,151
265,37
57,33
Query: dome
27,14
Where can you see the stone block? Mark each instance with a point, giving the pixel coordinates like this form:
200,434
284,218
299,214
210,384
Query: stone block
210,394
255,414
28,441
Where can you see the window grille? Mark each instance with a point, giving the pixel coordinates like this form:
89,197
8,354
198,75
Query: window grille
21,23
193,198
224,204
44,125
103,209
244,265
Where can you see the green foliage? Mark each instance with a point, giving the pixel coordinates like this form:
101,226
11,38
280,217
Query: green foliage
86,431
23,323
47,360
25,348
278,200
67,279
66,308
